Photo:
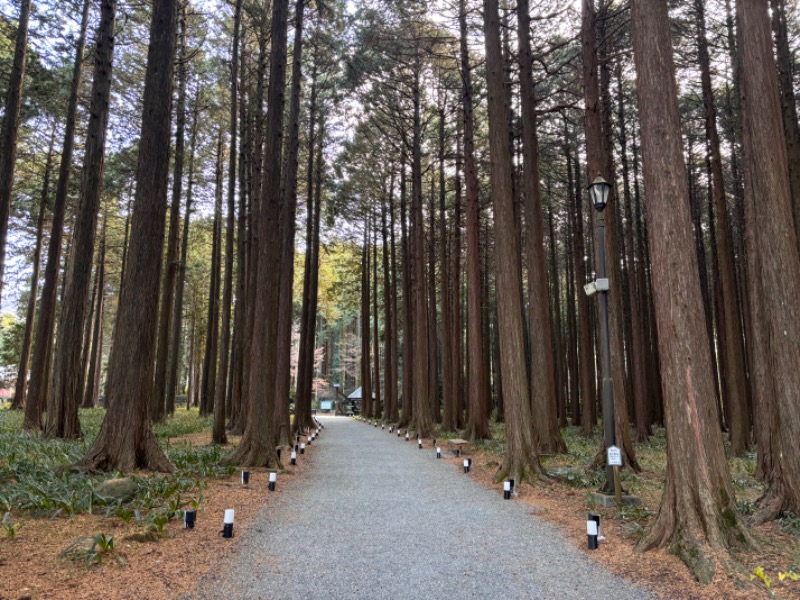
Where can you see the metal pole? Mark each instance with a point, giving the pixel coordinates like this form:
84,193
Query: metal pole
609,432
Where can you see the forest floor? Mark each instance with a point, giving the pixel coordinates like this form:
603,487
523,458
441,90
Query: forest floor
55,531
566,498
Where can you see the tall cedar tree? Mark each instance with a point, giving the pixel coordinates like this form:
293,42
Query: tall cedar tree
521,461
698,517
65,396
30,314
158,403
542,368
257,447
478,419
776,279
9,132
288,229
126,440
43,340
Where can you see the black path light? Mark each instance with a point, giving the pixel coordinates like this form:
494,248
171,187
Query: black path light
293,458
438,452
245,477
598,192
419,443
467,465
189,517
406,436
506,490
273,478
227,523
303,448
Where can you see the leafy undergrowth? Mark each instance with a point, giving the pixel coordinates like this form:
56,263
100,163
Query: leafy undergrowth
37,481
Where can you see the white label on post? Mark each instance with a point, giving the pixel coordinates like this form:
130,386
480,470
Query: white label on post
507,486
273,477
614,456
591,527
228,516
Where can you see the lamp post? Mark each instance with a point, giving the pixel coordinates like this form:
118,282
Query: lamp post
598,191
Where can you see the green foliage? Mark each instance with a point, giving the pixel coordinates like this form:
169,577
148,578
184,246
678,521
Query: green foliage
11,332
9,526
36,474
102,545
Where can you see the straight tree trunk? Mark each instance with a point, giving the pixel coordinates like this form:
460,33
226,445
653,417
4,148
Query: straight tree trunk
92,383
730,331
448,358
394,415
408,301
9,132
126,440
697,518
433,338
455,293
180,284
288,228
389,375
420,347
305,367
43,341
791,125
477,400
62,417
542,366
521,461
366,368
257,446
377,407
772,246
212,323
30,315
158,401
220,394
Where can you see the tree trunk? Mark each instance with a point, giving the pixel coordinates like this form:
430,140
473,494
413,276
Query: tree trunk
542,366
729,317
773,245
92,383
180,284
10,126
698,517
389,375
478,421
62,419
408,302
43,342
448,358
791,126
521,461
158,401
366,368
30,314
377,409
212,323
420,347
126,441
394,415
257,447
287,229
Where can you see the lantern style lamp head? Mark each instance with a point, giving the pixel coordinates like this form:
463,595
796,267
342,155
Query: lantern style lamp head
598,191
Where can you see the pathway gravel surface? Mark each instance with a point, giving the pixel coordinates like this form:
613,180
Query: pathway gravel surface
377,518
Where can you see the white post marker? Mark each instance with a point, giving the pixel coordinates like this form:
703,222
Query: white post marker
438,452
591,532
293,459
406,436
245,477
419,443
303,448
467,464
506,490
273,477
227,523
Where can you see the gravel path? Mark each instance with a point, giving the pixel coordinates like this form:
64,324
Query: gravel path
378,518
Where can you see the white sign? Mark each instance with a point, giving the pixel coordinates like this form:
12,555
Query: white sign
591,527
614,456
